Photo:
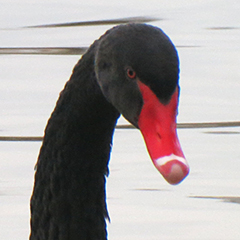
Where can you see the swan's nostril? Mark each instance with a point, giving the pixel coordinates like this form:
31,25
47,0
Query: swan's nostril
159,136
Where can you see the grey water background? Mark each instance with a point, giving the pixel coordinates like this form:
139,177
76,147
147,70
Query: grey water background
141,204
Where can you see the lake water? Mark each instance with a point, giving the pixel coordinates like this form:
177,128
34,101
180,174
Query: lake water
141,204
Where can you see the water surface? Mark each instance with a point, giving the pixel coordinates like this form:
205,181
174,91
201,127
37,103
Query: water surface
141,204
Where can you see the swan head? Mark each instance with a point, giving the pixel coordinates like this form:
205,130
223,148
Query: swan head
137,69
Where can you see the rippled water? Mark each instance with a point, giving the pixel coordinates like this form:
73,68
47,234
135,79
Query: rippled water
141,204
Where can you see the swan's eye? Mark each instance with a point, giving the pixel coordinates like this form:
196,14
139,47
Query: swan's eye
130,73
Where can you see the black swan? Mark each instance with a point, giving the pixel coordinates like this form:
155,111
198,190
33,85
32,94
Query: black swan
132,70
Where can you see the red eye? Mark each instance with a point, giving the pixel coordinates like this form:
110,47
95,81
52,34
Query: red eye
130,73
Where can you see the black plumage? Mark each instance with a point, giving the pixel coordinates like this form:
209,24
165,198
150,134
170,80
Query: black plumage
68,200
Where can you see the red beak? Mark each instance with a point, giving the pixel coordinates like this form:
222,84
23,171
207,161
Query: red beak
157,122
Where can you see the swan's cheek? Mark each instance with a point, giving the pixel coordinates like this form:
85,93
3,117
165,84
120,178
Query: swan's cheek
157,123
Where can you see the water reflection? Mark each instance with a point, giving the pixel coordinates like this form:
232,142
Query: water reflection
222,28
43,51
222,132
223,198
140,19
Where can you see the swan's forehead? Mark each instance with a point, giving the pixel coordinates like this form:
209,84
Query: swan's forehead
147,50
137,37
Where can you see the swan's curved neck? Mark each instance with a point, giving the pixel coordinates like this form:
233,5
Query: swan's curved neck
68,200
